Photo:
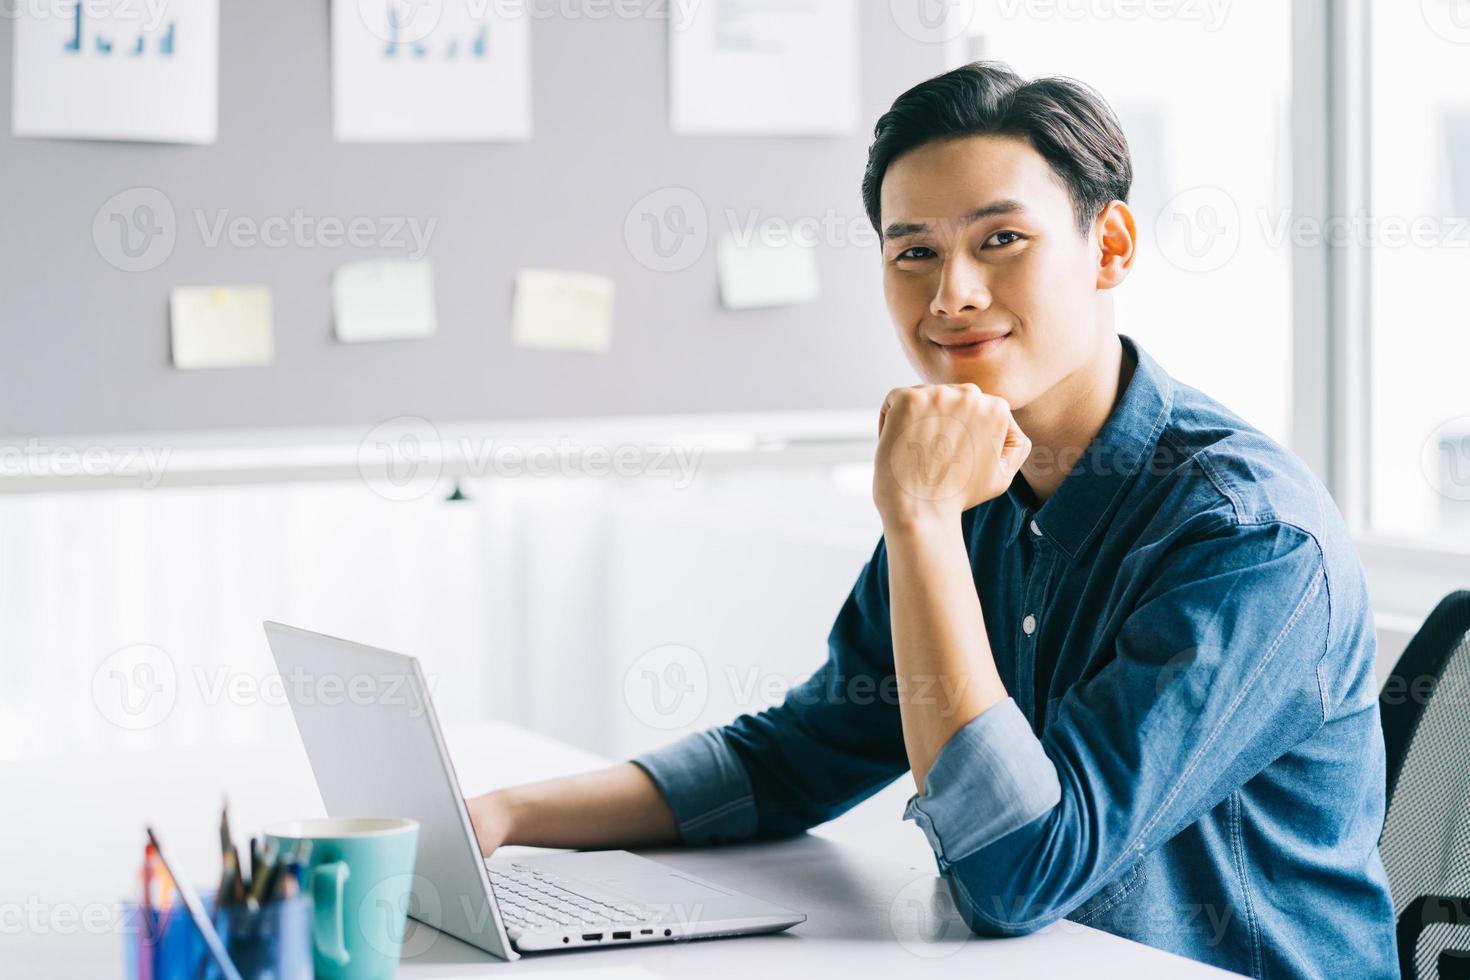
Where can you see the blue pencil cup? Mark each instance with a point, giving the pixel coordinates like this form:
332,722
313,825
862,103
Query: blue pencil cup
271,943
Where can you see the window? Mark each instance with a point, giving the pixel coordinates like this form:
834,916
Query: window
1203,92
1419,257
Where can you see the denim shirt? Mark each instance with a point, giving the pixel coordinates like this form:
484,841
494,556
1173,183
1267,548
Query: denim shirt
1191,754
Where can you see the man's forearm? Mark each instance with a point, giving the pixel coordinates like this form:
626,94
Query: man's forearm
941,652
614,807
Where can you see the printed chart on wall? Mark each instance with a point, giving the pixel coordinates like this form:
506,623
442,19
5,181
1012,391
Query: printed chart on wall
116,69
438,71
764,67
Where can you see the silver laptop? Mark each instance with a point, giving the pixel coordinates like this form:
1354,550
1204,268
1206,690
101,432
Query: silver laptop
376,750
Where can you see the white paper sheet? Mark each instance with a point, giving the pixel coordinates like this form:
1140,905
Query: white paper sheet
221,326
763,67
754,274
557,310
388,299
117,70
444,71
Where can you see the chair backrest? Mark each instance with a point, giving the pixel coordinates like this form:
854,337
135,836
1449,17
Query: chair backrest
1425,706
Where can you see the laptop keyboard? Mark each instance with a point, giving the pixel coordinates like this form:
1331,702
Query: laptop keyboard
533,900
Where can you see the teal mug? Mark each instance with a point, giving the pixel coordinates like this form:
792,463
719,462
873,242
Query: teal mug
359,875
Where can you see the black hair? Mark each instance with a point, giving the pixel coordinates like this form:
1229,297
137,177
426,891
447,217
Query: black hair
1064,120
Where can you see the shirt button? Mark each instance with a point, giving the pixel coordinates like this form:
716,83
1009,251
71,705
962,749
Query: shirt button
1028,625
1036,529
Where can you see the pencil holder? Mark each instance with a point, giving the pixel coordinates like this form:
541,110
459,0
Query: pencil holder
272,942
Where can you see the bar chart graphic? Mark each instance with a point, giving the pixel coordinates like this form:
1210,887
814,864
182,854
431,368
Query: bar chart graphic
159,43
430,70
116,69
404,41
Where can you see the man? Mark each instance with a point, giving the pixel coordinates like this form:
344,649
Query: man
1119,637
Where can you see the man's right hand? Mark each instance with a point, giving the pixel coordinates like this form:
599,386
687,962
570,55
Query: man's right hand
490,815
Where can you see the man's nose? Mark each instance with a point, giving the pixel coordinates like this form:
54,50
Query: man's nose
962,289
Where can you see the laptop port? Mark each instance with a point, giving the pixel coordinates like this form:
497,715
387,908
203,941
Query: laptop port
622,935
645,932
592,937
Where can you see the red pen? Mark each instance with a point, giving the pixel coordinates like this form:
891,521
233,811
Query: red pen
147,935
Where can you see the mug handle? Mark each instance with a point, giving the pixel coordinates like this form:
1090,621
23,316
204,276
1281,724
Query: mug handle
326,898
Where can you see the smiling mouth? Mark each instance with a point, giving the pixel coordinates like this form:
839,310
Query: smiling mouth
972,348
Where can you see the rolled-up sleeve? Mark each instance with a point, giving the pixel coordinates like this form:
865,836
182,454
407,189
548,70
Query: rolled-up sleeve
705,785
1212,676
991,778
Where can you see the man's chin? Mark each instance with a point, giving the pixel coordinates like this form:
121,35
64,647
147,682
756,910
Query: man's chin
987,381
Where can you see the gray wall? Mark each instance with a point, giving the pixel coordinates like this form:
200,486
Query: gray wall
85,346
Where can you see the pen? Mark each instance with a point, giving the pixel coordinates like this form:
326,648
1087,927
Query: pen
145,924
229,862
157,881
196,912
260,884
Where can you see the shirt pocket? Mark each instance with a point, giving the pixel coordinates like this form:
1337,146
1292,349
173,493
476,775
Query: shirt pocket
1108,898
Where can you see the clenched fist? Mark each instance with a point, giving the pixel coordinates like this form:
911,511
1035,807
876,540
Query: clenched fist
943,449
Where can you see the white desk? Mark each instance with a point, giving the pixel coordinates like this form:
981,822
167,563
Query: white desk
866,881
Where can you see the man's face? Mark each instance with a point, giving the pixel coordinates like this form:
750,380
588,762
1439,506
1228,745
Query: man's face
987,278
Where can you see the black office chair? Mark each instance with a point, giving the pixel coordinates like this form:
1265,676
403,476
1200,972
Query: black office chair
1426,837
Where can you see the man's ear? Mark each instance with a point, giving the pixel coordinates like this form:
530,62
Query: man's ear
1117,238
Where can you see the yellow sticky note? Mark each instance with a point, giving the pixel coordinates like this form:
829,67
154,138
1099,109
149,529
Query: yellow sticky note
557,310
221,326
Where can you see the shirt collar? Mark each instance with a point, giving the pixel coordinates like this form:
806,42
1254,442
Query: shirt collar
1091,489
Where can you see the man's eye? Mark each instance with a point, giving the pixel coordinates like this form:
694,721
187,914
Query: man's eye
916,252
1009,236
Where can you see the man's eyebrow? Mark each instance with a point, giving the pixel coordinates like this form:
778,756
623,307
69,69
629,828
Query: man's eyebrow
902,229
